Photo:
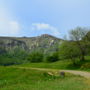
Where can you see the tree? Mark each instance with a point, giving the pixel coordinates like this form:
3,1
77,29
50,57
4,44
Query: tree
35,56
53,57
87,43
77,36
87,36
69,50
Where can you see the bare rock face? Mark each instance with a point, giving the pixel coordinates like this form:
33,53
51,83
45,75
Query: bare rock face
11,44
45,42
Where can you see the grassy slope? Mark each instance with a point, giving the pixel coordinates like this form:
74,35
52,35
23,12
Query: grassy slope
22,79
65,64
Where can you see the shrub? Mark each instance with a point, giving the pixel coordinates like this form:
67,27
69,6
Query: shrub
86,66
35,57
6,61
52,58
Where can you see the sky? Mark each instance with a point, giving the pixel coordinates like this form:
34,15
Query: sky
35,17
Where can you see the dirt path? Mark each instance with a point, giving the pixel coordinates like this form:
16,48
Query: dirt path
81,73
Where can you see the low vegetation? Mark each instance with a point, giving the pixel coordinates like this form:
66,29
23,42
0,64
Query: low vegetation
63,64
24,79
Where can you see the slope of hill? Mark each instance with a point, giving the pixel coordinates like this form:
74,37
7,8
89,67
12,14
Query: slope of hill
10,44
44,42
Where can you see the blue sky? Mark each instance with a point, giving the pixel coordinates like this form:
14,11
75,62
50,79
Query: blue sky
36,17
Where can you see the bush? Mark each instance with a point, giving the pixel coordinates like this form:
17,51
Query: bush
86,66
6,61
18,53
52,58
17,56
35,57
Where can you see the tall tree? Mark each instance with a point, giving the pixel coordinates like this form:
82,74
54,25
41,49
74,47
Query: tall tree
69,50
77,35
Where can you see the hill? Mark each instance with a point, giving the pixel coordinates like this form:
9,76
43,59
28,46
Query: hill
45,42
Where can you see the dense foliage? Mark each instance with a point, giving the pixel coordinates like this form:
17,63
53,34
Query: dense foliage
14,57
53,57
69,51
77,47
35,57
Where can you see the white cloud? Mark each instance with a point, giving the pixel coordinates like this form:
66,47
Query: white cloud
40,26
8,26
45,27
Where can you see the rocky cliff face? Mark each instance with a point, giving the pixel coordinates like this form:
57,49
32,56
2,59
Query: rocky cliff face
10,44
46,43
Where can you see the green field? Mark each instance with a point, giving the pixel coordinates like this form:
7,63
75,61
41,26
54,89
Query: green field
17,78
63,64
26,79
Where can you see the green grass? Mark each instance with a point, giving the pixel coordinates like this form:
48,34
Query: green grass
12,78
63,64
26,79
55,65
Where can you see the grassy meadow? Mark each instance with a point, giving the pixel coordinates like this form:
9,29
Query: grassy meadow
16,78
63,64
24,79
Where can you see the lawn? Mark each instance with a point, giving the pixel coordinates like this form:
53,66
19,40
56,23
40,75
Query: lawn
26,79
